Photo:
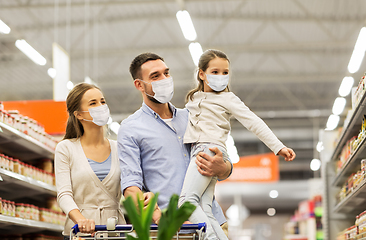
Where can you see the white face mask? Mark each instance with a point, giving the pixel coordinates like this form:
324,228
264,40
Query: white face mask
217,82
163,89
99,114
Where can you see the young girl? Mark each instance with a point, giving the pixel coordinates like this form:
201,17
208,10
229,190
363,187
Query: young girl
210,106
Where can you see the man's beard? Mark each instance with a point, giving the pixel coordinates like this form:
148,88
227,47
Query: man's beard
153,100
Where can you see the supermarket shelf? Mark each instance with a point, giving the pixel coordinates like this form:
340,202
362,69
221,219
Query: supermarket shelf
354,203
19,145
352,165
22,226
18,186
295,237
349,130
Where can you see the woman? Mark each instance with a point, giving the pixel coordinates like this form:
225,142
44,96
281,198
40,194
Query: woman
86,163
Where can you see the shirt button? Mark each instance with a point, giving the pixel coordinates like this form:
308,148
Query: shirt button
185,155
156,116
179,137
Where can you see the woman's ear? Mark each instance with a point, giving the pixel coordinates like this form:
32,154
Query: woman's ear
78,115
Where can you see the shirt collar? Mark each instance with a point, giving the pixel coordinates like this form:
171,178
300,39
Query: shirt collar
151,112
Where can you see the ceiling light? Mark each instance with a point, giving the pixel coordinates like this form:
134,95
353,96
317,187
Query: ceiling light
196,51
315,164
271,212
319,146
358,52
332,122
231,149
51,72
5,29
346,86
338,106
114,127
87,79
28,50
186,24
273,194
69,85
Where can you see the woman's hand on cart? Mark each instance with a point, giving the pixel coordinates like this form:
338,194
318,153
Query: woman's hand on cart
86,225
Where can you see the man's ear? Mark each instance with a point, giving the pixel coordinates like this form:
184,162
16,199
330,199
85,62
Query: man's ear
138,85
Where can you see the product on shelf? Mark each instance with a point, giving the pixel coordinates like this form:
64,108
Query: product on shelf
361,224
358,92
32,212
353,181
357,231
27,126
30,237
17,166
308,214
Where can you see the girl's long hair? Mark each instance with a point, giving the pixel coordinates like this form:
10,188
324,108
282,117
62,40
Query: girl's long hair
205,59
74,128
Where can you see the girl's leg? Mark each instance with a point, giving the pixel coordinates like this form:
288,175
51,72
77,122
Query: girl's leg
194,186
206,203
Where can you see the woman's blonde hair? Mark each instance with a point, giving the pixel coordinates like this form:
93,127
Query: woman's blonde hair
74,128
205,59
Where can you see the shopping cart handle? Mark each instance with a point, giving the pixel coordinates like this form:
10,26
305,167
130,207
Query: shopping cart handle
191,226
125,227
129,227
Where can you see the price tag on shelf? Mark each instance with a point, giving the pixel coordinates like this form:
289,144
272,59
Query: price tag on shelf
1,130
1,179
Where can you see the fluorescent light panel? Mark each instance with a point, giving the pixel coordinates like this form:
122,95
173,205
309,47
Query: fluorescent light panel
338,106
315,164
5,29
28,50
358,52
51,72
332,122
114,126
196,51
346,86
69,85
186,24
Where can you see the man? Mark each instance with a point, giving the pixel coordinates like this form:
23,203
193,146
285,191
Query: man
152,155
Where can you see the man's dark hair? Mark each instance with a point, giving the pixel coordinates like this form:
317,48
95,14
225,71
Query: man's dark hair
135,67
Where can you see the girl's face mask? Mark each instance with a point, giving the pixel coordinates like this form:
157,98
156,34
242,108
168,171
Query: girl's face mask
217,82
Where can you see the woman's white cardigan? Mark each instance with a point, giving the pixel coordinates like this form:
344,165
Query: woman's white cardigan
78,187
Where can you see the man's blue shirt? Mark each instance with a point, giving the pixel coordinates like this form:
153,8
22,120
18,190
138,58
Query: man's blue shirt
152,154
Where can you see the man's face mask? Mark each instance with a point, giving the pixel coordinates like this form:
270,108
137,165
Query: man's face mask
163,89
217,82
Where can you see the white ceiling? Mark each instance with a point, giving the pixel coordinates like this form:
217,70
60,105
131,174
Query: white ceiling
288,57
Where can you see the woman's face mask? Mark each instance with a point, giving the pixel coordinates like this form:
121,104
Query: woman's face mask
163,90
99,114
217,82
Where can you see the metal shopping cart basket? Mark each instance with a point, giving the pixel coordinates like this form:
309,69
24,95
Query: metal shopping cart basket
187,231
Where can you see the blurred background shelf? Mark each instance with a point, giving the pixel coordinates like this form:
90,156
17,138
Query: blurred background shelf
19,145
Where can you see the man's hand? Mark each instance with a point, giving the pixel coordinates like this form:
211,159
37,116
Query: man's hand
213,166
135,192
147,196
287,153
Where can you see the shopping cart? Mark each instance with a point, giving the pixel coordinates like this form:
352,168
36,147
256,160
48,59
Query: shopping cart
187,231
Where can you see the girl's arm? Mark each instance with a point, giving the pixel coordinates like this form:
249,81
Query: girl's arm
287,153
